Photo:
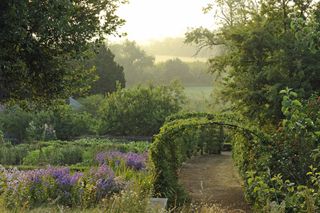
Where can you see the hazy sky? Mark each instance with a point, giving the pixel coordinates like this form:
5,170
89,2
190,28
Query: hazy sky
155,19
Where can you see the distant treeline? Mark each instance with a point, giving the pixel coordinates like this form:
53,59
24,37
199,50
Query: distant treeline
140,67
178,47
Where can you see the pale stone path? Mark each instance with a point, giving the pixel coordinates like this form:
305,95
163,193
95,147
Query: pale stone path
212,179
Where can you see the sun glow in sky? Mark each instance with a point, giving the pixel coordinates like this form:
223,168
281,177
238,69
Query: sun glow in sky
148,20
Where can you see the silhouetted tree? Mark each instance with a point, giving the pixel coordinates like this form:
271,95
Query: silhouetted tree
42,43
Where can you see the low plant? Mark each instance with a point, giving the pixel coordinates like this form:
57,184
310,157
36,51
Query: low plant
54,155
13,154
115,158
56,185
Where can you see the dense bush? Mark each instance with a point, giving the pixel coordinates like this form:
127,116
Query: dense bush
140,110
280,171
69,123
91,104
13,155
14,123
60,122
177,141
41,126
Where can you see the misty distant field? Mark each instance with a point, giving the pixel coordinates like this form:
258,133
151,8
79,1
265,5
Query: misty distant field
198,92
198,98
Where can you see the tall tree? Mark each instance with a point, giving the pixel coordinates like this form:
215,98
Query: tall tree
269,46
42,43
134,60
109,72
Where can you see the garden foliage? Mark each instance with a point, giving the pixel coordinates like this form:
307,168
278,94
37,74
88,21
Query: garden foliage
60,122
140,110
188,135
281,170
268,45
116,172
44,44
61,153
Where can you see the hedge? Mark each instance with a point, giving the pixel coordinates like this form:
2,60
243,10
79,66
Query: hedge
177,141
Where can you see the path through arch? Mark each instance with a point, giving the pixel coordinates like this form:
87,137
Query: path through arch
212,179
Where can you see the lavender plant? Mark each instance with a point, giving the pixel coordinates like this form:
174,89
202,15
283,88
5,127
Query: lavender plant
56,186
131,160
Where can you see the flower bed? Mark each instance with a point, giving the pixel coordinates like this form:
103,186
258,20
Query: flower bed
59,185
130,159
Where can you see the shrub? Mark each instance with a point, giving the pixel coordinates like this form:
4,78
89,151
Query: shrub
14,122
140,110
41,127
280,170
69,123
81,151
60,122
13,155
91,104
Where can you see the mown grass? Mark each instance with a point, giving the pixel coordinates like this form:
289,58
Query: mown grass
198,98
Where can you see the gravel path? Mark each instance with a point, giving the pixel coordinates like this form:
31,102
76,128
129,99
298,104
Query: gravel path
212,179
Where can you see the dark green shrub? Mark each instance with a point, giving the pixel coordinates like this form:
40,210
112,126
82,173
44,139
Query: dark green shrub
14,123
91,104
13,155
282,168
69,123
140,110
60,122
41,127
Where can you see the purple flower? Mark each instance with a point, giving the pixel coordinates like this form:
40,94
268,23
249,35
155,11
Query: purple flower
100,157
103,178
103,171
60,183
75,178
136,161
132,160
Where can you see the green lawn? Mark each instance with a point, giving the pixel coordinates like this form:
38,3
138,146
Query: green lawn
198,98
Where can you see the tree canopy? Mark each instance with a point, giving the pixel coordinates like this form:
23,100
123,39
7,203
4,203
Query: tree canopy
134,60
109,72
269,45
43,42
